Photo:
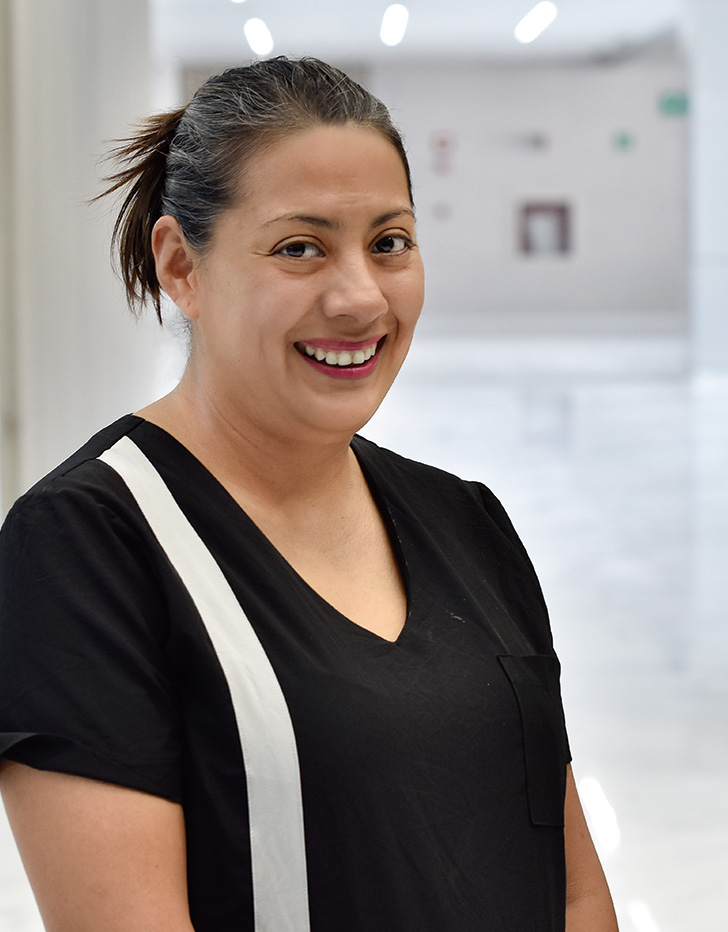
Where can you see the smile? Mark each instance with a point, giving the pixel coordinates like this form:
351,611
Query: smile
341,358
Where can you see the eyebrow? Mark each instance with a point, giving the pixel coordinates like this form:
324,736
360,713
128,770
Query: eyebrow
327,224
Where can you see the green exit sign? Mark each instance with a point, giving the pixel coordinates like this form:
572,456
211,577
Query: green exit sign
674,103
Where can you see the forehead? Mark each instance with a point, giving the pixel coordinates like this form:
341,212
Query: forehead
336,165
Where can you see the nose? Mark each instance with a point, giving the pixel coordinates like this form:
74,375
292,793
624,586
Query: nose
354,291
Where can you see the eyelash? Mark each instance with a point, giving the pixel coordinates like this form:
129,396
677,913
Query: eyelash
282,250
407,244
406,241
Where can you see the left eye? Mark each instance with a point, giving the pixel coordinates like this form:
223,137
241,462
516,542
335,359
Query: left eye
392,245
301,250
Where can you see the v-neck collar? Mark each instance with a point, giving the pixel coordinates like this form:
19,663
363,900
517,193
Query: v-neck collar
238,514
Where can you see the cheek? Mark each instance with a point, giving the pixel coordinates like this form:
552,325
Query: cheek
411,295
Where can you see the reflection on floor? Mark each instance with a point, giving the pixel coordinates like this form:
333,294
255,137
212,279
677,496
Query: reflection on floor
616,475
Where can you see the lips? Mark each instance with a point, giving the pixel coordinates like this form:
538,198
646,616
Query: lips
341,358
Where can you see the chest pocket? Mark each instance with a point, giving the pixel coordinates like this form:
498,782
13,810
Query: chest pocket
535,681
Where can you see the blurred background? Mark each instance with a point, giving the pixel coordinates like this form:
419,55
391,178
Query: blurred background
572,205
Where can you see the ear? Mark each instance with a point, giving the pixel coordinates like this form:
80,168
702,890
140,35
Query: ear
175,263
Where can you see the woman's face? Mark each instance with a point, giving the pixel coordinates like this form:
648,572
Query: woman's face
305,303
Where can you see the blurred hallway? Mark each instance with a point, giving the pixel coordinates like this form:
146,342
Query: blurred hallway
618,485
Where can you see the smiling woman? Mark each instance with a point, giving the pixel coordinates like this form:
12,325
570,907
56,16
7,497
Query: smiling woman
341,271
257,673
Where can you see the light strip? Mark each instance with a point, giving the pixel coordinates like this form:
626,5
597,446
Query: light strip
641,917
258,35
603,818
534,23
394,24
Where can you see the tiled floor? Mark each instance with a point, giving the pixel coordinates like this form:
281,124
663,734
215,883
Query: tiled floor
614,467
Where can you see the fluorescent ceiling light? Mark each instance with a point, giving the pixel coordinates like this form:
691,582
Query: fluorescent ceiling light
394,24
238,1
534,23
258,35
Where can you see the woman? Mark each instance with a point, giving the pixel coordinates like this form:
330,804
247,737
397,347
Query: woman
257,674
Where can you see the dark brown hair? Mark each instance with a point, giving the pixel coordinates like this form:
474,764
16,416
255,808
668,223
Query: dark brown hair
189,163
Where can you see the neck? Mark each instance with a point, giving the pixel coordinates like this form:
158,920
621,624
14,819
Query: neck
255,464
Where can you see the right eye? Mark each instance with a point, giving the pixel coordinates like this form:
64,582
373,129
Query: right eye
300,251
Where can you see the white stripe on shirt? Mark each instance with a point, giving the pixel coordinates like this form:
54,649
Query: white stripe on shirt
280,889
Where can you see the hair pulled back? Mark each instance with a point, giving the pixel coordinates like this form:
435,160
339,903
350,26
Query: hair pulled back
189,163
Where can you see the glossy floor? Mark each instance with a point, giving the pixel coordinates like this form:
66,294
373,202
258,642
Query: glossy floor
613,464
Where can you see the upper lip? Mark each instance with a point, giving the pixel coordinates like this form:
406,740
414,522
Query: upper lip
341,346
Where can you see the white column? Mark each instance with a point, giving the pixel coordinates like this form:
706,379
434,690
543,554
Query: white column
707,22
707,32
77,73
7,342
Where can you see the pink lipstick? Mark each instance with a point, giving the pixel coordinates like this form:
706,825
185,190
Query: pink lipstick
342,359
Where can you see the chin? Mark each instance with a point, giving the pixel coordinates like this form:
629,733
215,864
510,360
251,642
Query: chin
342,423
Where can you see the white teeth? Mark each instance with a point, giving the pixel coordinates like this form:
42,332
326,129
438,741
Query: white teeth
332,358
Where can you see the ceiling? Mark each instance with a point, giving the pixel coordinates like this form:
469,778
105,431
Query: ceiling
203,32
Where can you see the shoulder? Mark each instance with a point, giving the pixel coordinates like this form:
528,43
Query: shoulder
81,470
79,566
86,632
400,468
75,507
464,523
90,450
431,488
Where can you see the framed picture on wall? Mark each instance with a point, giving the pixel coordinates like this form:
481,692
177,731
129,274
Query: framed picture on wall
545,228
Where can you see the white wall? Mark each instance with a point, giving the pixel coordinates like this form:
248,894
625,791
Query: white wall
7,369
77,73
628,271
627,274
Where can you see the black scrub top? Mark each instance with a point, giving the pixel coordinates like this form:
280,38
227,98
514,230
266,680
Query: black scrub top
432,768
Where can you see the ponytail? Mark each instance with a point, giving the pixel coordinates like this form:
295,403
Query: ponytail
143,160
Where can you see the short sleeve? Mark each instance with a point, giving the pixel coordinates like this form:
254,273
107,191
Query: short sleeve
85,682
